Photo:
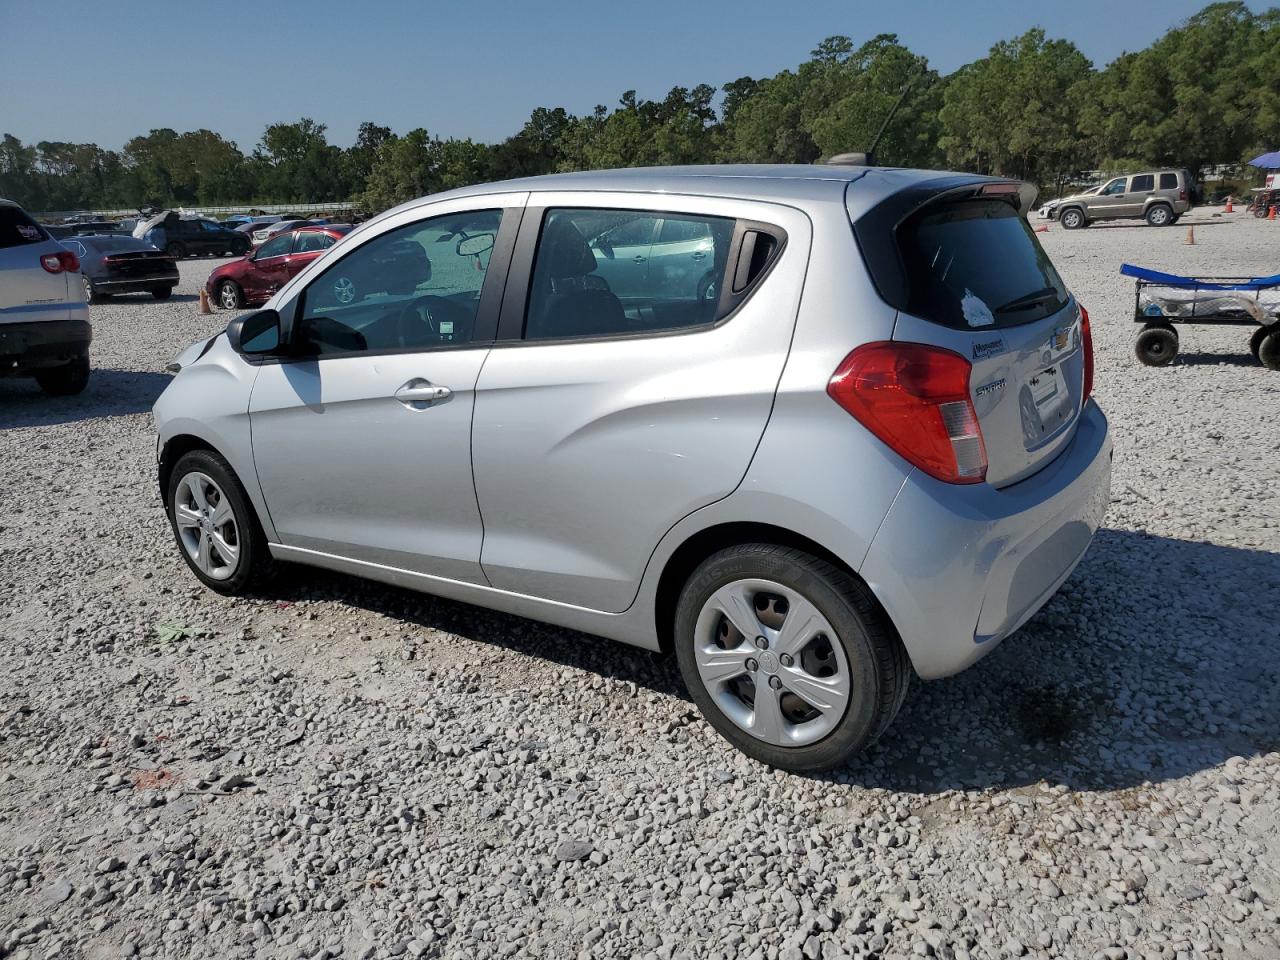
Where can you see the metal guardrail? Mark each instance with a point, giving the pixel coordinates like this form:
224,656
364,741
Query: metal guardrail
266,208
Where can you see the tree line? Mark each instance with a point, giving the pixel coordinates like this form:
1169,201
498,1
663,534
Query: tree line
1036,108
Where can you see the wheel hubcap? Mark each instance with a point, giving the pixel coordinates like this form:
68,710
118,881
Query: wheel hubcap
771,662
228,296
207,526
344,290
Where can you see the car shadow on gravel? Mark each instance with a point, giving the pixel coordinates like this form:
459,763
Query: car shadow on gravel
110,393
1157,659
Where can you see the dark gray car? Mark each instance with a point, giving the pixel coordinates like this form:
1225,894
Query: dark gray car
112,264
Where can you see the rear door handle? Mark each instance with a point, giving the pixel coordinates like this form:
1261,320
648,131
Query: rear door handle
420,393
700,255
637,259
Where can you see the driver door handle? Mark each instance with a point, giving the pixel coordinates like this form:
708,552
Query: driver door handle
419,393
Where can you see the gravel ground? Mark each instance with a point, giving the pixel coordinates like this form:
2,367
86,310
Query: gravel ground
341,769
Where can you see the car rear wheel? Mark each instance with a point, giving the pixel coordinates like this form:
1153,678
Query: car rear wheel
214,525
230,296
90,294
1160,215
788,657
66,380
175,250
162,293
1072,219
1157,346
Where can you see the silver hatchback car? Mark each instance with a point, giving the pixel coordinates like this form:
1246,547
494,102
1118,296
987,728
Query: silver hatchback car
836,431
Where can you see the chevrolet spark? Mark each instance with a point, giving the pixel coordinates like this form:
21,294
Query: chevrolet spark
838,435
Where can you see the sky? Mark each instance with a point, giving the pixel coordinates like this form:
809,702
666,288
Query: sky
103,72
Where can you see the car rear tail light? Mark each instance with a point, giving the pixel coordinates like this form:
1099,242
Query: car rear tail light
1182,194
1086,345
60,261
916,399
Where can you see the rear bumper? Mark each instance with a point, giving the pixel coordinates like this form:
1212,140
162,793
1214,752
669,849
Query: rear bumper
960,568
47,343
134,284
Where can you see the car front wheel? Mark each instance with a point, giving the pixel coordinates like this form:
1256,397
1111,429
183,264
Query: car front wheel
1072,219
230,296
214,524
788,657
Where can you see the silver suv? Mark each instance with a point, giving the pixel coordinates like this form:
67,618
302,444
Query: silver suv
835,430
1159,196
44,316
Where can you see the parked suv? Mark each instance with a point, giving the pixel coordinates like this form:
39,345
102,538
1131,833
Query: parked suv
1160,197
181,237
44,319
871,450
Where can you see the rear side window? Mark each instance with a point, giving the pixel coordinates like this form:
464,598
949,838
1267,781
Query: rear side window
1168,181
602,273
311,242
1143,183
974,264
17,229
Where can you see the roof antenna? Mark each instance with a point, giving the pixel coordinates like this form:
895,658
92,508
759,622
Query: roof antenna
868,159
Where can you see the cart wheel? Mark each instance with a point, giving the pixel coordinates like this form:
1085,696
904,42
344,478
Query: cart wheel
1268,353
1255,341
1157,345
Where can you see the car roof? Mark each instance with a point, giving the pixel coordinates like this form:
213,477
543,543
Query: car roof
784,183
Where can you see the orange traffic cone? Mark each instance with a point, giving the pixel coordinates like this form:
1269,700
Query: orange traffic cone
1272,214
1191,236
1229,208
204,302
1044,229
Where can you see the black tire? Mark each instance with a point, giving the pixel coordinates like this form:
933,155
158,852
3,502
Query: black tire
1157,346
1160,215
1269,348
240,249
1255,340
255,565
230,296
91,294
707,289
66,380
879,670
175,250
1072,218
162,293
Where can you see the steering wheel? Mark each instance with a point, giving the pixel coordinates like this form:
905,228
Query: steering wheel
418,322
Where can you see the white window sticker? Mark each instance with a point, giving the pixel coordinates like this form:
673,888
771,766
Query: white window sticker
976,313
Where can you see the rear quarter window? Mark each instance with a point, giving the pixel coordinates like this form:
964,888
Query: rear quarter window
976,264
17,229
1168,181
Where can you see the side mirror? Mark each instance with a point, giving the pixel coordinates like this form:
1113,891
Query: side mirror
255,334
475,246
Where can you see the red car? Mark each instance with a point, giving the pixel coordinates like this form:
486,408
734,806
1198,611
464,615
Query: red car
251,280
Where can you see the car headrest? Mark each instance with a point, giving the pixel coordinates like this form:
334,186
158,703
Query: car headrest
567,253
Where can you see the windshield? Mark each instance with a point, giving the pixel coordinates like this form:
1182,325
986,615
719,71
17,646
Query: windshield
977,263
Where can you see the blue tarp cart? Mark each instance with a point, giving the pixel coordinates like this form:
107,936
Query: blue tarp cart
1161,301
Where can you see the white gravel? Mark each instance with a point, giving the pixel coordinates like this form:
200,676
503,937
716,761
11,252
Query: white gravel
340,769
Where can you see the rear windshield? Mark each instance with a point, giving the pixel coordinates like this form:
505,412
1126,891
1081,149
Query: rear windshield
120,244
17,229
977,263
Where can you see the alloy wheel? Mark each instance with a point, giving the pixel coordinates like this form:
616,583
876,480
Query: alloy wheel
228,297
207,526
771,662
